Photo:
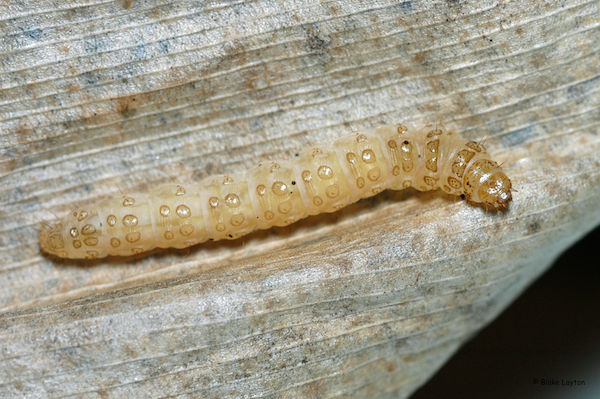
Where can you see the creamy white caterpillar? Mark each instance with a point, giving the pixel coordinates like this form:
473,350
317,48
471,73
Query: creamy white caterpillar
322,178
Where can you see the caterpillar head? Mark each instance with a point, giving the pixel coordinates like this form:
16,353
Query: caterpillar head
486,182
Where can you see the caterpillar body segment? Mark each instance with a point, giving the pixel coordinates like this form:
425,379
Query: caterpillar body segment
322,178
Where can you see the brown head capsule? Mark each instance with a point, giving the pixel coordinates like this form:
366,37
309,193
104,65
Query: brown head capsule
485,182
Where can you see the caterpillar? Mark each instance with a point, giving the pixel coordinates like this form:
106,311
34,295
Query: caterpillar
321,178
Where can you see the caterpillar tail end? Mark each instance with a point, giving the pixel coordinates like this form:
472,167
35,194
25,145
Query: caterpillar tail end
51,240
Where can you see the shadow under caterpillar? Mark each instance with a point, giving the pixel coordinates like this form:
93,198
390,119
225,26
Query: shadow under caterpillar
322,178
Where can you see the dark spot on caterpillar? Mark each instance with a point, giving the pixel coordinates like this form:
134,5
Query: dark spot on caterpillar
230,236
462,196
297,154
293,183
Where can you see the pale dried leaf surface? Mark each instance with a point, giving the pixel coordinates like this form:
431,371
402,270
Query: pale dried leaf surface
101,97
